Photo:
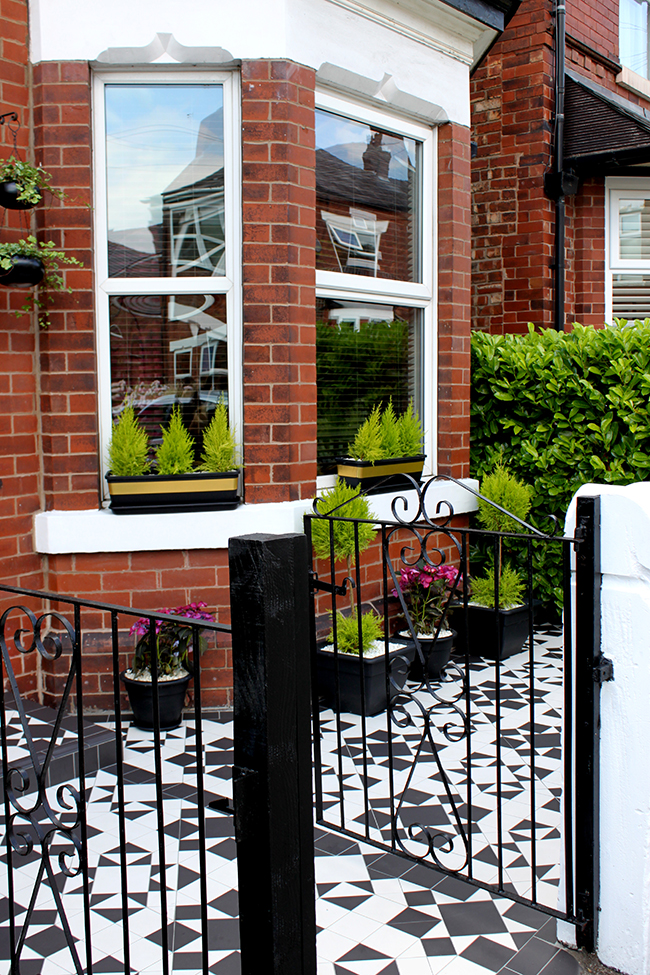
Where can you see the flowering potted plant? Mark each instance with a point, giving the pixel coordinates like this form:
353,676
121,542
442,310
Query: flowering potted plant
426,592
171,660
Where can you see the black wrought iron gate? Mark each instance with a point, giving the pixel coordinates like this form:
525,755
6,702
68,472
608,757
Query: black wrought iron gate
479,767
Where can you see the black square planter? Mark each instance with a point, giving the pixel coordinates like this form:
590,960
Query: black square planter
494,636
374,678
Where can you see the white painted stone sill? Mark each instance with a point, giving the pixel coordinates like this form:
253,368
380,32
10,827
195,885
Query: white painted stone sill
71,532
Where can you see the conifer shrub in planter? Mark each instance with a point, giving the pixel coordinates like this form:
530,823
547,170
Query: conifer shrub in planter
354,653
174,484
497,630
385,448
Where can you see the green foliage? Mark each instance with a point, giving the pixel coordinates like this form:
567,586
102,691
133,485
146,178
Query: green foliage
410,433
504,489
128,447
384,435
219,446
51,258
354,505
566,408
175,455
357,370
30,179
369,441
347,632
511,588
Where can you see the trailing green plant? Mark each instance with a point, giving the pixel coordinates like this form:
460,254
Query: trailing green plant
31,180
175,455
511,588
383,434
52,258
505,490
347,632
219,446
128,448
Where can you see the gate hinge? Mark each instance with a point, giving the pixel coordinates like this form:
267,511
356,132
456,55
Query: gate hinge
603,670
317,585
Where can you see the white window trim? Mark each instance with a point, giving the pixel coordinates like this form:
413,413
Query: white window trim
228,285
422,295
617,188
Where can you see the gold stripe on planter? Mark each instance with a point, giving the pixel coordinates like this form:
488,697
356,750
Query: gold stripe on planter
164,486
411,467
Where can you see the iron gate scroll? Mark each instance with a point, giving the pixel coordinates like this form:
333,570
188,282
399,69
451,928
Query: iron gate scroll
462,772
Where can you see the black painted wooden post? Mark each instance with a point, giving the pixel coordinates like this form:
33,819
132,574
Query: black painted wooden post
272,779
587,719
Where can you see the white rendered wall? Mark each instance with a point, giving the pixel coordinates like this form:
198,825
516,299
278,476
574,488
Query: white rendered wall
624,919
428,58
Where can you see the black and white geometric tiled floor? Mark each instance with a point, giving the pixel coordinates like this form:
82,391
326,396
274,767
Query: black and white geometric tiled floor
376,912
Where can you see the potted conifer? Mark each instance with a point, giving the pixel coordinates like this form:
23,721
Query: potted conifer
386,447
139,486
354,641
497,630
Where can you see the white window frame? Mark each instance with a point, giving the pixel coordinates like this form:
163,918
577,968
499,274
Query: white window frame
228,284
616,189
421,295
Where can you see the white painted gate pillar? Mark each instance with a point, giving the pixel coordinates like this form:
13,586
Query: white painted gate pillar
623,935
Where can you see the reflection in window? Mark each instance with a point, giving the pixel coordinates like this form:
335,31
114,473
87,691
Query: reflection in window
634,35
366,200
365,355
165,182
634,230
167,350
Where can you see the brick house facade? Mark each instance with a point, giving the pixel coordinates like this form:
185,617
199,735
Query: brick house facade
280,61
605,144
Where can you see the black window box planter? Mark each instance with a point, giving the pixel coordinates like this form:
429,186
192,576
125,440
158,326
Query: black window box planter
160,494
380,476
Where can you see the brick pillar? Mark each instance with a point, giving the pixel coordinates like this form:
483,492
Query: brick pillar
513,221
454,299
589,219
68,366
279,200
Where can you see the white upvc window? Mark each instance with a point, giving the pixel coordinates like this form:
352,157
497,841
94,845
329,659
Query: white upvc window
168,246
634,35
375,271
628,248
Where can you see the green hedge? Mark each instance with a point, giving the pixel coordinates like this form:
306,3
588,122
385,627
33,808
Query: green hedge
565,408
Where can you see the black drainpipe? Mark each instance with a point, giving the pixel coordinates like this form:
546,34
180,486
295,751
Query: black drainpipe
558,183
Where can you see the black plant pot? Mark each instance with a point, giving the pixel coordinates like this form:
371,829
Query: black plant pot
9,192
374,678
156,493
26,272
495,636
436,653
171,697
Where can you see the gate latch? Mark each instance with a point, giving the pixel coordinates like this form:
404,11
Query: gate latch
603,670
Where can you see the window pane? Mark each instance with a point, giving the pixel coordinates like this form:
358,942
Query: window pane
365,354
366,200
634,230
633,35
631,298
164,166
167,350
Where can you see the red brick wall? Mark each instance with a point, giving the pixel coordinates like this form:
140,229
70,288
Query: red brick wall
588,213
68,363
454,294
19,434
279,280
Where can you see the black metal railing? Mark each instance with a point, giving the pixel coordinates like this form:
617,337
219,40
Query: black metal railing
437,769
46,812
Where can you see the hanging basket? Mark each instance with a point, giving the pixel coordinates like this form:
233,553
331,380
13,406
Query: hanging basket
25,273
9,193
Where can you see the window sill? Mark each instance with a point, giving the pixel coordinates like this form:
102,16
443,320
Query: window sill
634,82
72,532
